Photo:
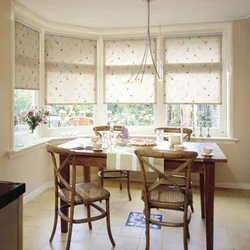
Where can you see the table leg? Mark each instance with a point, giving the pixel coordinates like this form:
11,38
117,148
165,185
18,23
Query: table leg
202,196
209,204
86,174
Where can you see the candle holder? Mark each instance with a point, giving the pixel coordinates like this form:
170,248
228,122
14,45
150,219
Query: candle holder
193,128
182,131
208,125
201,129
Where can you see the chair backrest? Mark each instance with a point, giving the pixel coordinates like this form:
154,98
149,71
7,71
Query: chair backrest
81,121
58,167
99,129
183,161
186,132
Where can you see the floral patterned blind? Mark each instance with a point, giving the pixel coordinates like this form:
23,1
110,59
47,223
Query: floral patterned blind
193,69
122,59
26,57
70,70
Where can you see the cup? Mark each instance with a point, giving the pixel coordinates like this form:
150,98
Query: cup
94,138
174,139
160,135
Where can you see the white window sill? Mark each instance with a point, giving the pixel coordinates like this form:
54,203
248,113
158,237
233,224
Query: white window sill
17,151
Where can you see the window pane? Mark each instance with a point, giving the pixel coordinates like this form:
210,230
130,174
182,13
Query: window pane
24,100
70,115
200,114
131,114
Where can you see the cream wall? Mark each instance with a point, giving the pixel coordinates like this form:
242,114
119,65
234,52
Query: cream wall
236,173
33,168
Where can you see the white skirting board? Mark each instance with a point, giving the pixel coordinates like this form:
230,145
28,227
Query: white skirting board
134,177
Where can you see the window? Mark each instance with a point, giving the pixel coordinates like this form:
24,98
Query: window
70,115
130,104
193,78
70,70
27,62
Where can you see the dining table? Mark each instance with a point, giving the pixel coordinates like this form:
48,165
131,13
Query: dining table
114,158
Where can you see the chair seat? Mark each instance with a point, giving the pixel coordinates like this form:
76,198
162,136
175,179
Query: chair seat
164,194
88,193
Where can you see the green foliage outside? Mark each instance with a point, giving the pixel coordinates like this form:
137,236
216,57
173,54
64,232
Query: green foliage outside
132,114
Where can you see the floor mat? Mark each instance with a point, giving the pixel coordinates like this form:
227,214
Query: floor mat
136,219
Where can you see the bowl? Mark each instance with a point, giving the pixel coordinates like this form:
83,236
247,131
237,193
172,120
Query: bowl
207,150
97,145
122,142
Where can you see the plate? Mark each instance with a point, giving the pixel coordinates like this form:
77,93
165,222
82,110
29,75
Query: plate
204,154
142,142
97,149
178,149
141,145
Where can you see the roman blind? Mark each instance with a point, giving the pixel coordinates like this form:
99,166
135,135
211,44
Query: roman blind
193,69
70,70
26,57
122,59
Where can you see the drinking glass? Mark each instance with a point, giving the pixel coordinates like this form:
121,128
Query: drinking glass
160,135
105,140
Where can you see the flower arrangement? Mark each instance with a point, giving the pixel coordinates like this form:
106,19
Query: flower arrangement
34,117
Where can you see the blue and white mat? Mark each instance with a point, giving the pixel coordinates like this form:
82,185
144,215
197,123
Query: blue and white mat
136,219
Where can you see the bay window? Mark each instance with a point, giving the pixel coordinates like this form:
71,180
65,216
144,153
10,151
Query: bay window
85,80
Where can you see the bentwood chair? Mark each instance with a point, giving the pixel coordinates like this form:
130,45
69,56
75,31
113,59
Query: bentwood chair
168,130
81,121
121,175
166,192
187,132
74,194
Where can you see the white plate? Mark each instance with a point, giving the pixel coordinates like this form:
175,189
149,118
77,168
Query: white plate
97,149
180,149
204,154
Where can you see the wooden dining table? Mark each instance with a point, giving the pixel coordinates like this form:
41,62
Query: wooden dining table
203,165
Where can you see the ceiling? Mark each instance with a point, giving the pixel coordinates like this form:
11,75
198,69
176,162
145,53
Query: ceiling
108,14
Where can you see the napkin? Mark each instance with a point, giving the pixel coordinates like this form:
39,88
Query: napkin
124,132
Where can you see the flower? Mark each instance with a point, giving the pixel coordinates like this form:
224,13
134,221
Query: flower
34,117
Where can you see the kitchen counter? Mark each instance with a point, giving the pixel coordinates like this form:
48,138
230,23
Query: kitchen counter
10,191
11,215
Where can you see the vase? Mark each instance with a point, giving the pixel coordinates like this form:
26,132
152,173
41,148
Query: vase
34,136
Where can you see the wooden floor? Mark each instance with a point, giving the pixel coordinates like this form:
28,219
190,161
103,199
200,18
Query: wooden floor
232,224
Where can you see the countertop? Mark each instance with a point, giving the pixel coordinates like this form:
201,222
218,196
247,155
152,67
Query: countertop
10,191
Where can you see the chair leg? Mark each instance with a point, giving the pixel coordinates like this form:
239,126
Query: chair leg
147,217
192,207
185,230
120,180
128,185
202,196
71,216
88,214
108,223
55,220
